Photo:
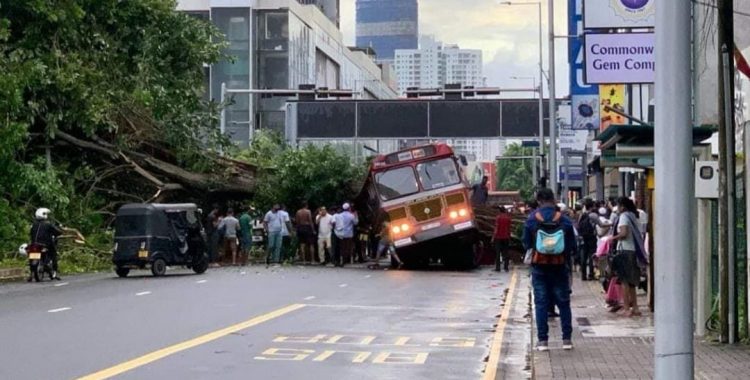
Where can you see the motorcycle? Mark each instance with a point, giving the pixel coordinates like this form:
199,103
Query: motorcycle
39,262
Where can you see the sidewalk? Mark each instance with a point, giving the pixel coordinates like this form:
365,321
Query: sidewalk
609,346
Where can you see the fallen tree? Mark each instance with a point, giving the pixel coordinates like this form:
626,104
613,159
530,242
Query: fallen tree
102,104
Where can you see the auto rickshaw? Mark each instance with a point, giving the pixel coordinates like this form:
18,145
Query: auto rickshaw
157,236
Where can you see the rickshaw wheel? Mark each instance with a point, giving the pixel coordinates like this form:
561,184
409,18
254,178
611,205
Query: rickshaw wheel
200,267
122,272
159,267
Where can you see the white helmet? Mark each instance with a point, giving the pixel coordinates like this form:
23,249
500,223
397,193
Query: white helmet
22,249
42,213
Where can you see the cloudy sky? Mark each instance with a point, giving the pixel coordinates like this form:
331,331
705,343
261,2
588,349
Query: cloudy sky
507,35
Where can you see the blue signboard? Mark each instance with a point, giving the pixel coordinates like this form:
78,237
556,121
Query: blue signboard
576,51
584,97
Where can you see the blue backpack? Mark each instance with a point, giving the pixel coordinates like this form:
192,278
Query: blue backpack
550,236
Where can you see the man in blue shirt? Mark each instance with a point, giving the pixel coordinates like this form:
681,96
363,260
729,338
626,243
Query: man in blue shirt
550,275
344,223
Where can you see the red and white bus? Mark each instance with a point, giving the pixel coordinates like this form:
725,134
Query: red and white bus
423,193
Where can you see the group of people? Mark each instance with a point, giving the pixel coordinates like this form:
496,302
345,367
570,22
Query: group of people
608,236
324,236
335,235
228,235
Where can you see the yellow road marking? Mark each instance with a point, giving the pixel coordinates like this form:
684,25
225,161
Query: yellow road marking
164,352
490,372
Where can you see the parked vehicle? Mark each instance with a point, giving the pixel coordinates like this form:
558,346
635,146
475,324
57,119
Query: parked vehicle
39,262
159,235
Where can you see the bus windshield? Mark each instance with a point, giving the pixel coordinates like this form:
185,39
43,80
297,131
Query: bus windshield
438,173
396,183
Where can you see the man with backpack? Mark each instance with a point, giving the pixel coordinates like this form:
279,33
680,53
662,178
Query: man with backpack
550,236
587,222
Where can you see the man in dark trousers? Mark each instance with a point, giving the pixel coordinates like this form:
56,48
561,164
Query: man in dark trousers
550,236
501,238
587,223
45,233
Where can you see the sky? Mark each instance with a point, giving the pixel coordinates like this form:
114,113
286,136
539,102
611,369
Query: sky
507,35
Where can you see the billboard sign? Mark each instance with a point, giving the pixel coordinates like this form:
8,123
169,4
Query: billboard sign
613,14
585,110
584,97
620,58
612,95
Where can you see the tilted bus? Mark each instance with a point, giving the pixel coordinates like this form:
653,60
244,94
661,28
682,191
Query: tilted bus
424,195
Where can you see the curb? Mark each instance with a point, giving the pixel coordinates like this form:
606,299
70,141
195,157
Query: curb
11,274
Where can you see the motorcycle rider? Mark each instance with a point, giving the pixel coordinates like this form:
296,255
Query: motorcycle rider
45,233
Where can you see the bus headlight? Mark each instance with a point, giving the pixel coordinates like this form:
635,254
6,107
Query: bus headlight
404,227
462,212
453,215
396,229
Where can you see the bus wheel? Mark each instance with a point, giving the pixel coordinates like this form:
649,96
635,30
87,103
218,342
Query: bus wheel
468,256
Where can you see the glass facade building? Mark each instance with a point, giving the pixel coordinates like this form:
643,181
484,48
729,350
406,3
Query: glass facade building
387,25
279,45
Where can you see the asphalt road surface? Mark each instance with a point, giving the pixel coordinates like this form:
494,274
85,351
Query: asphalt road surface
268,323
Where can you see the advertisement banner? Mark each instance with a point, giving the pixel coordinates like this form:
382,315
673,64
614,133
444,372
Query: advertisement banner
614,96
573,140
612,14
584,97
620,58
585,109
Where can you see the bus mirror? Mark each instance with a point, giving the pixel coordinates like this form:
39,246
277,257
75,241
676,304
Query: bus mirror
463,160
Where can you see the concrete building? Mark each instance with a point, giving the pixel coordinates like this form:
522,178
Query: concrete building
330,8
434,65
280,44
482,150
387,25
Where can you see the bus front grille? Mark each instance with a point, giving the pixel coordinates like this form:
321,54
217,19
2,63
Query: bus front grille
426,210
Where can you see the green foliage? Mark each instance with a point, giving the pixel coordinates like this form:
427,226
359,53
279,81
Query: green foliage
320,175
129,73
516,174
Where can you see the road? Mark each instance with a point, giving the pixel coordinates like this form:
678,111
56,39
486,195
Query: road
268,323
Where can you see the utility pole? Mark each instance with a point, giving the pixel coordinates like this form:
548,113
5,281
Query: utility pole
552,106
727,288
673,141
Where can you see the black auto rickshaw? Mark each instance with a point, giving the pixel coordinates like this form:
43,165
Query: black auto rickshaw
158,235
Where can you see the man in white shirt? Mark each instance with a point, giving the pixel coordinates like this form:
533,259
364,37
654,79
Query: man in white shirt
324,222
286,237
230,225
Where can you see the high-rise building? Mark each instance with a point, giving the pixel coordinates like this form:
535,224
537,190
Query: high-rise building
387,25
434,65
280,44
330,8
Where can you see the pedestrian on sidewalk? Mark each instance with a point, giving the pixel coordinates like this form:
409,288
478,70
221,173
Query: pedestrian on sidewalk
501,239
230,226
549,234
629,255
305,233
324,221
587,223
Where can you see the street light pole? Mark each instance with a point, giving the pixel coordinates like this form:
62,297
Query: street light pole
673,141
541,125
541,80
552,105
